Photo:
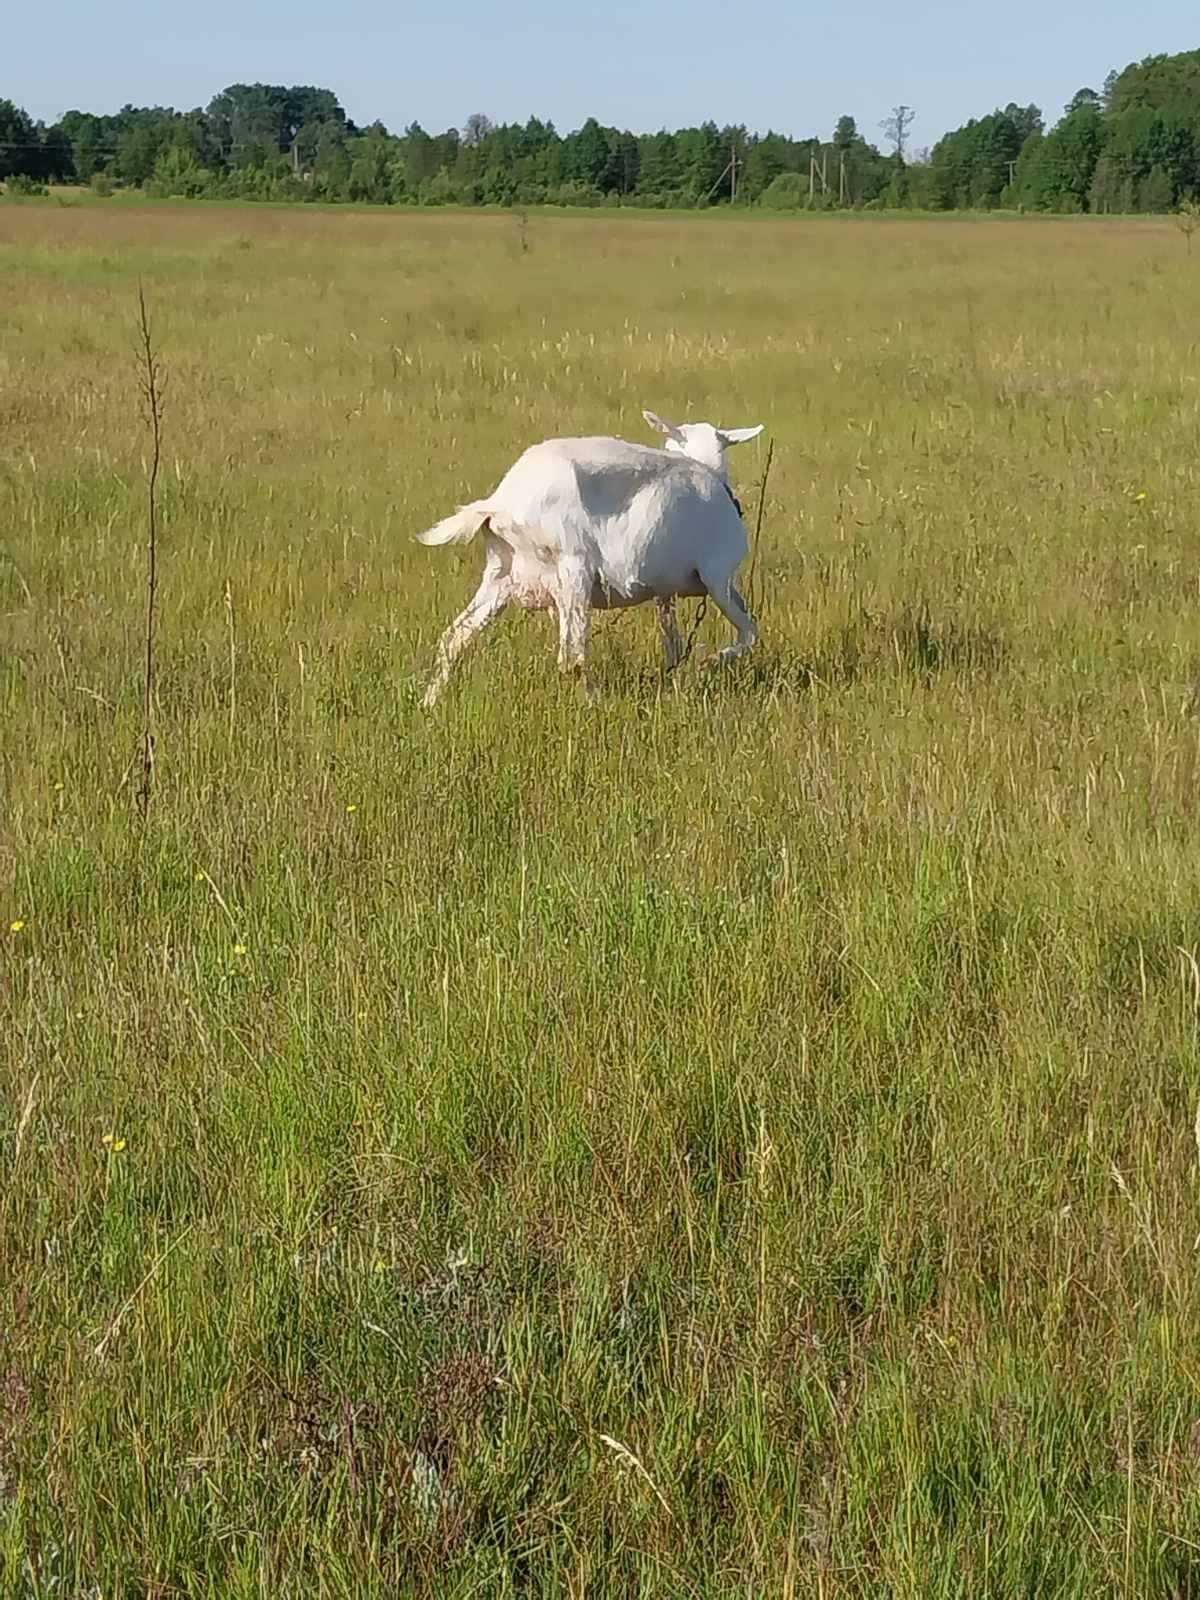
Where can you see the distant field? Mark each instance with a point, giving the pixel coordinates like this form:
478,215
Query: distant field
738,1139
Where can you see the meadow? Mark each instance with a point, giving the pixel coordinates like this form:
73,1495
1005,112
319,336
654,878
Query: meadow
734,1138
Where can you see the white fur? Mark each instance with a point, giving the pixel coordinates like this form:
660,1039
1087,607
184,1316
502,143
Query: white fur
582,524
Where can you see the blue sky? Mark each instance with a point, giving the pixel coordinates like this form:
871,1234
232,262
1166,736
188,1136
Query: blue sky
644,65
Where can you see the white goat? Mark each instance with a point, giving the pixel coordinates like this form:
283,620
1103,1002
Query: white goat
577,524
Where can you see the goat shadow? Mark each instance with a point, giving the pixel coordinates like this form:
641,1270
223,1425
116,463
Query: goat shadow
910,641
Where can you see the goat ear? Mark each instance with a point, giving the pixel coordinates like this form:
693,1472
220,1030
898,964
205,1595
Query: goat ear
669,428
739,435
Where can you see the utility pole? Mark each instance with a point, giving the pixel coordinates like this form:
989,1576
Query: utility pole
733,169
818,174
842,179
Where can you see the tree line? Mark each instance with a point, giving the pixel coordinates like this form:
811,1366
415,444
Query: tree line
1132,146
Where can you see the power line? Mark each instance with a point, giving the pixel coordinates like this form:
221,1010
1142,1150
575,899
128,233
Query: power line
14,144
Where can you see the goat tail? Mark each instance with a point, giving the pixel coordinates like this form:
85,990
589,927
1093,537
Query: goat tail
461,528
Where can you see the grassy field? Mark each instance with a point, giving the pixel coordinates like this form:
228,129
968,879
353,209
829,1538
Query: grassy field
735,1139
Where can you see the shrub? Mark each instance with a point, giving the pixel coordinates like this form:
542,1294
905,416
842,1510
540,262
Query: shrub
20,183
785,192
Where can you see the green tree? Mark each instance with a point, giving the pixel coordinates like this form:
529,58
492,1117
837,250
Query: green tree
703,159
57,161
767,159
1152,118
245,125
370,174
89,141
624,165
1108,187
139,147
1056,171
20,142
177,172
1025,119
193,133
331,163
896,195
253,122
1159,83
786,192
420,157
661,172
588,154
975,165
1155,192
1137,143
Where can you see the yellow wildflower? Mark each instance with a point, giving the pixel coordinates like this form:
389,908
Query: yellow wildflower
351,808
16,925
239,949
113,1143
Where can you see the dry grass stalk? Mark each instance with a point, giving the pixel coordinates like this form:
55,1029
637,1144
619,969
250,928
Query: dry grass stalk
150,383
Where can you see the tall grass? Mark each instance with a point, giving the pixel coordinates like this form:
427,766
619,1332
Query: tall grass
738,1139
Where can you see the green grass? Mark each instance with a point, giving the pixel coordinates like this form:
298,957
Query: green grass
732,1140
